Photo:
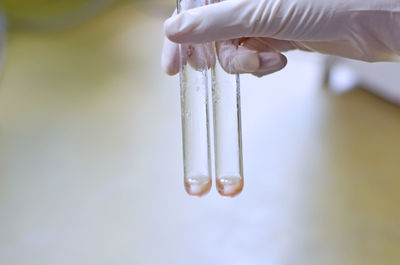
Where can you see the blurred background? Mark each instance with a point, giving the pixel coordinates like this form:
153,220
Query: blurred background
91,164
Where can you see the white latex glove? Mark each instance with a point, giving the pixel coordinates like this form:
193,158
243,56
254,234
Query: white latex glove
257,30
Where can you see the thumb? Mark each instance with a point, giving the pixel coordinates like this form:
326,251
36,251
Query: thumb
235,19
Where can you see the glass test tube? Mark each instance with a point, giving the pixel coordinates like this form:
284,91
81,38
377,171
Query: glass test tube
227,132
194,113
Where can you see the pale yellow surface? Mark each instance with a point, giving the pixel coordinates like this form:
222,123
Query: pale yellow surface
91,171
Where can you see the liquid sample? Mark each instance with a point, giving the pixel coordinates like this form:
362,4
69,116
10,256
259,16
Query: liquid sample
195,131
198,185
195,112
229,186
227,132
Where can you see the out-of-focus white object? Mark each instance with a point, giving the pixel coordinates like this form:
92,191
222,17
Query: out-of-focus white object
381,78
342,77
366,30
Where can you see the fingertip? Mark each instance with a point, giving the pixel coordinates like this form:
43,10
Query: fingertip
169,29
169,67
283,61
270,63
259,75
182,28
168,26
170,58
170,70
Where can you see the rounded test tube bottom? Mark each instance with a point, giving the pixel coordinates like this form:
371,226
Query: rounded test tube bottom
198,185
229,186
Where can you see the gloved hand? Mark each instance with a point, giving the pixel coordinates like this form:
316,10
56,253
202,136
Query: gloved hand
252,33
